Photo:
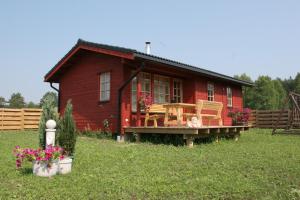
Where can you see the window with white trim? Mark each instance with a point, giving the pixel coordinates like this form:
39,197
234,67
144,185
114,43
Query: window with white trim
229,96
133,94
210,92
161,89
177,90
105,86
145,83
145,80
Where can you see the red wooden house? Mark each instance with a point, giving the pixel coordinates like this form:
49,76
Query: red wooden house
105,82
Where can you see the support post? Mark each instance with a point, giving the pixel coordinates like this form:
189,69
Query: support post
120,92
217,138
237,136
138,107
138,137
189,141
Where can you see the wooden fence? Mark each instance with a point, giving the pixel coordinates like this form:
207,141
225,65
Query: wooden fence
268,118
19,119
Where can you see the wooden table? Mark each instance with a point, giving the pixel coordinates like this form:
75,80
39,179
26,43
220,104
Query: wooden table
179,111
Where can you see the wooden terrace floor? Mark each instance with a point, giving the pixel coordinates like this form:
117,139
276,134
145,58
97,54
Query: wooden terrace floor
190,134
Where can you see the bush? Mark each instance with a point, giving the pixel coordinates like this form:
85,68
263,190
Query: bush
67,131
99,134
104,133
49,112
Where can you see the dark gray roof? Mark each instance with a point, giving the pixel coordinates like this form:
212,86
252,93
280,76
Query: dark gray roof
105,46
158,59
192,68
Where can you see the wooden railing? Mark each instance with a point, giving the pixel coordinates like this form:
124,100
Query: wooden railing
19,119
268,118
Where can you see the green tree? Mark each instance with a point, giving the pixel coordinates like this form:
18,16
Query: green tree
2,102
67,131
297,83
281,93
16,101
288,84
49,96
265,94
247,91
49,112
31,104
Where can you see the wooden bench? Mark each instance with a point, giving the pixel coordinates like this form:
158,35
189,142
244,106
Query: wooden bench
155,112
203,105
214,106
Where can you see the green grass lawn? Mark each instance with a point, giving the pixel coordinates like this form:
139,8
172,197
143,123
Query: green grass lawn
258,166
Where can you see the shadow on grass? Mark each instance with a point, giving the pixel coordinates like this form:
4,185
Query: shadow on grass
288,132
26,171
169,139
174,139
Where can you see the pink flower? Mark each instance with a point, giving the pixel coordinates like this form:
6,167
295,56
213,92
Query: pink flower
28,154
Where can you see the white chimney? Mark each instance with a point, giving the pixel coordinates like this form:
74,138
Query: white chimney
148,48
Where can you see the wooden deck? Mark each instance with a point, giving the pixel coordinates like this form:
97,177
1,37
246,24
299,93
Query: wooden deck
190,134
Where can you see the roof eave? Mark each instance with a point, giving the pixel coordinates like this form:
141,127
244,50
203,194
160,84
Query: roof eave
192,68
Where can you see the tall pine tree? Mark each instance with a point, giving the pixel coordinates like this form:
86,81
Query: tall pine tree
49,112
67,131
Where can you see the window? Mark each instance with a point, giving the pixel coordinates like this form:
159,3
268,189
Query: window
229,97
104,86
145,83
210,92
161,89
133,94
177,91
145,80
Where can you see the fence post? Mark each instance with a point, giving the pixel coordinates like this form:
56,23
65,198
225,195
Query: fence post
1,118
22,119
256,119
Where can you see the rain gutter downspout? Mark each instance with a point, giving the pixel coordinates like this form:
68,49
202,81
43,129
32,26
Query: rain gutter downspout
58,94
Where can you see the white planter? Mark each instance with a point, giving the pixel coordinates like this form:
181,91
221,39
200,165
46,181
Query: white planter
65,165
41,168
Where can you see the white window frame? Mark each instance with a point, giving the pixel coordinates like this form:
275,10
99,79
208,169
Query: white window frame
105,79
229,96
144,78
159,90
134,94
210,92
178,96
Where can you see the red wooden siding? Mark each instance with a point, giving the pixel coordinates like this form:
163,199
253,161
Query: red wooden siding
81,84
220,95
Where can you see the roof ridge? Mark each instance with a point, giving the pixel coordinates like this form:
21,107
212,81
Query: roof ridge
106,46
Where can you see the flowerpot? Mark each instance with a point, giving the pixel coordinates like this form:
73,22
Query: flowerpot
65,165
42,168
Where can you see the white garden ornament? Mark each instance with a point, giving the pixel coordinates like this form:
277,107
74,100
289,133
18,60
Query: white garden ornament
50,132
194,123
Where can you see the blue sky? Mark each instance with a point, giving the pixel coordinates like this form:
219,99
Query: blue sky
231,37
